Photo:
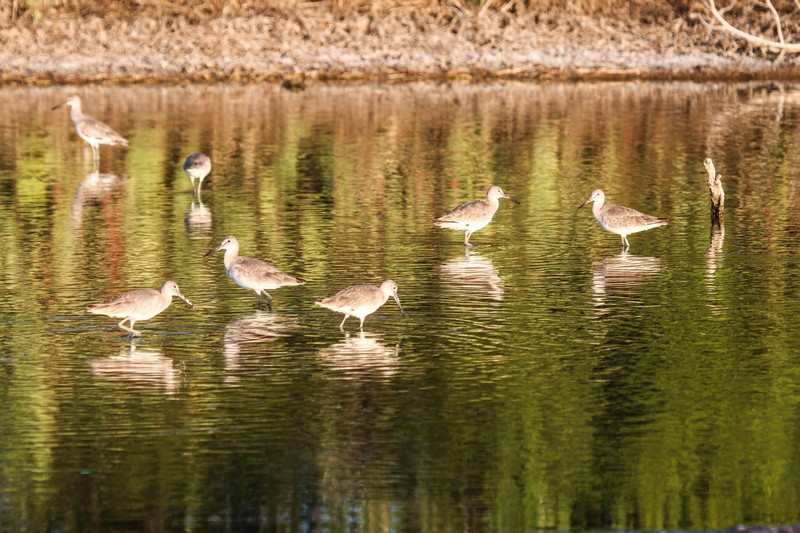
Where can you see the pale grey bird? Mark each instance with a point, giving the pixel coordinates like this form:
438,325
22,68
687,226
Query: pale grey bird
620,220
360,300
136,305
475,215
197,167
90,129
253,274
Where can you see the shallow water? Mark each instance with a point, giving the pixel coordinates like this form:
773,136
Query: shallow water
541,379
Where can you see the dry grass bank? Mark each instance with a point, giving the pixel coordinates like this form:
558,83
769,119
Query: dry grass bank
124,41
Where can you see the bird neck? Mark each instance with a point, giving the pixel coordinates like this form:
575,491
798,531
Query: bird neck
231,254
597,206
75,112
166,296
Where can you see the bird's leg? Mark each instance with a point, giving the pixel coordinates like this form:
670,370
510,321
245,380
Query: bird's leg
96,155
259,300
625,243
361,327
130,330
341,326
269,301
467,235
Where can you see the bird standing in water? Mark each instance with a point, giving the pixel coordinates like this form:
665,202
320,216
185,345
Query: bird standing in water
475,215
90,129
253,274
197,167
136,305
360,300
620,220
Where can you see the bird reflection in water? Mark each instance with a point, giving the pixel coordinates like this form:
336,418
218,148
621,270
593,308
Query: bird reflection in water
92,191
146,366
359,354
249,330
616,276
198,218
473,274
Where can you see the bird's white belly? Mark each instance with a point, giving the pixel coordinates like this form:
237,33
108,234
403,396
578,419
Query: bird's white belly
468,225
245,282
618,231
363,312
94,142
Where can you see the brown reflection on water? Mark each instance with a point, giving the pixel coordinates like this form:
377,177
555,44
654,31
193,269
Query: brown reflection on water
528,416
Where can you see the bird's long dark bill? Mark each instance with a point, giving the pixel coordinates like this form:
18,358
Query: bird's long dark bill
396,299
512,199
185,299
57,106
211,251
584,203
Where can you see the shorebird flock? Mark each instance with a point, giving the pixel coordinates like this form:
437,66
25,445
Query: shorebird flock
359,300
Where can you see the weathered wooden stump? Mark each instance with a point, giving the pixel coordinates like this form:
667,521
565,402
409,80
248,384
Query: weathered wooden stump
715,191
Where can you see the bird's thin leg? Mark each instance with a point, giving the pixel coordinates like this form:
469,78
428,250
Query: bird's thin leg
199,186
361,327
341,326
96,155
625,243
130,330
467,235
269,301
259,300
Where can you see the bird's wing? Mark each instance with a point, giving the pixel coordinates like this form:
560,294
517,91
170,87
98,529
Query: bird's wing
467,209
626,216
254,266
351,296
249,266
126,301
100,130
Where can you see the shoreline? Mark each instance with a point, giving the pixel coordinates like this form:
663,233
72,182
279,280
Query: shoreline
323,46
299,81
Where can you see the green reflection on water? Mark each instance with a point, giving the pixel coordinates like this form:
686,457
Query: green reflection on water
540,380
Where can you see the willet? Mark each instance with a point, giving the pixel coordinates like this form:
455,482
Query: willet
140,304
360,300
197,166
253,274
620,220
91,130
475,215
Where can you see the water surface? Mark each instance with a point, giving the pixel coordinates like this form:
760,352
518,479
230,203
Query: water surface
540,380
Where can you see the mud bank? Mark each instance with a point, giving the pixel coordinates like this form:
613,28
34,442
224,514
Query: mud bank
400,44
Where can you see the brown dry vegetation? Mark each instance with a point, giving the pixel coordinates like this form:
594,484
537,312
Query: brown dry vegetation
123,41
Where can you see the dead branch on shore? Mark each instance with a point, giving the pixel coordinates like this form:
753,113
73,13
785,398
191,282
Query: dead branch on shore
780,46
